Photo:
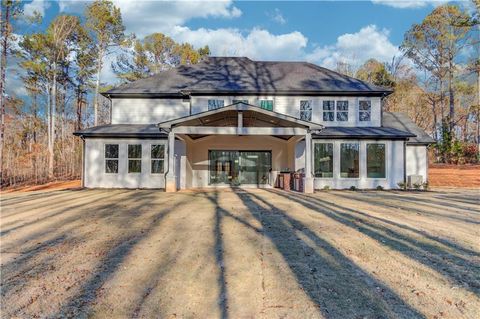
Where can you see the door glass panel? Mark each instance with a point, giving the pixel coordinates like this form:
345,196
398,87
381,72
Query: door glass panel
240,167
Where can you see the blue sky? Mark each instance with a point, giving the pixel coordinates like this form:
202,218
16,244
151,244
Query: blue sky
323,32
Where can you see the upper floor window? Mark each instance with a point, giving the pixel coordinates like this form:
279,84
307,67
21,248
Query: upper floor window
111,158
328,111
238,101
364,110
215,104
342,111
266,104
306,110
157,158
134,158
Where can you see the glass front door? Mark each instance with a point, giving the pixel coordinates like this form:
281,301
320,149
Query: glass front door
240,167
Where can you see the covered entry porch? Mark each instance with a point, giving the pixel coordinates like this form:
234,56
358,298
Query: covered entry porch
237,145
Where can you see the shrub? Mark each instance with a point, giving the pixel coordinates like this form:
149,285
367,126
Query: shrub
425,186
402,185
353,188
417,186
379,188
326,187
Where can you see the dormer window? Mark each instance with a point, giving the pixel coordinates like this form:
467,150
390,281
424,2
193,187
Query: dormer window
266,105
215,104
364,110
306,110
342,111
328,111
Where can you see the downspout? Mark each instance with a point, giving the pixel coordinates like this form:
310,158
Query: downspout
168,152
405,162
83,162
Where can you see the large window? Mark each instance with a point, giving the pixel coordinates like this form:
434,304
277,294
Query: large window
349,160
364,110
342,111
158,158
135,158
328,111
111,158
323,160
376,160
266,104
215,104
306,110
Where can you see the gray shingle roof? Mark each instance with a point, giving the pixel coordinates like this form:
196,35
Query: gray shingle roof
242,75
394,126
402,121
122,130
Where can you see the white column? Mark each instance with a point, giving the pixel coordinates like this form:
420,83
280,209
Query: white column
170,180
308,180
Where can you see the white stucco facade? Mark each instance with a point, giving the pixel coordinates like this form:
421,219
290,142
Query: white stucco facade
417,161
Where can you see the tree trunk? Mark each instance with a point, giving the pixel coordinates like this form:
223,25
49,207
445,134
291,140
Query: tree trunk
451,97
51,155
3,66
97,87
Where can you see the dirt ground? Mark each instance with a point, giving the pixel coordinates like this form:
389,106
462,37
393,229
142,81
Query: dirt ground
454,175
240,254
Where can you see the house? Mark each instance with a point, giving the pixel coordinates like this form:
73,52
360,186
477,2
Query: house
234,121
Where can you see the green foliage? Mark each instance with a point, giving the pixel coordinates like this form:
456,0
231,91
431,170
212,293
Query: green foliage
425,186
417,186
353,188
326,187
379,188
402,185
376,73
154,54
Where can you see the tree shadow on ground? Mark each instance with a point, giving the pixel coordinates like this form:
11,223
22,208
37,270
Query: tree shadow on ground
460,270
338,287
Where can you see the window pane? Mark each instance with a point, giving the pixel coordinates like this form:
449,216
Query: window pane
215,104
328,116
323,160
134,166
342,116
237,101
364,110
342,111
135,151
111,150
349,154
306,115
376,160
329,105
342,105
157,166
158,151
111,166
266,104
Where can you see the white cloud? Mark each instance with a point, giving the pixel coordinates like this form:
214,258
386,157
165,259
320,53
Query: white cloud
36,6
73,6
257,44
356,48
277,16
409,4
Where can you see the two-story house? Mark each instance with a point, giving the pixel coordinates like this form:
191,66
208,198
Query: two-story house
233,121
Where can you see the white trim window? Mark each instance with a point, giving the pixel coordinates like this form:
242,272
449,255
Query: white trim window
215,104
376,160
157,152
111,158
349,160
306,110
134,158
266,104
364,110
342,111
328,111
323,160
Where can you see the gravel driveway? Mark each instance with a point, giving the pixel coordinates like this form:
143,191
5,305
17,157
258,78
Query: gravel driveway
240,254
